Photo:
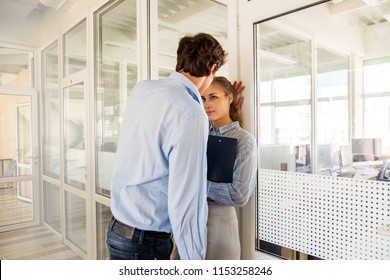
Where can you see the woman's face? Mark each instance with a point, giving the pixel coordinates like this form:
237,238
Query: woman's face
217,105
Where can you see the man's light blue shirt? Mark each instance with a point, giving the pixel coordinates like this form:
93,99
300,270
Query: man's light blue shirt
159,177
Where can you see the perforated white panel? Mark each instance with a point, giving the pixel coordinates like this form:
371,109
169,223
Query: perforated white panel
324,216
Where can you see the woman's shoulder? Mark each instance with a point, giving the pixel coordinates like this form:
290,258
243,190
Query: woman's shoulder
245,136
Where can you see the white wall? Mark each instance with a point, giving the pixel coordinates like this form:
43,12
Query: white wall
16,30
55,23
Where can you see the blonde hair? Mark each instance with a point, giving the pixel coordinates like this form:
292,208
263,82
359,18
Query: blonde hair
228,88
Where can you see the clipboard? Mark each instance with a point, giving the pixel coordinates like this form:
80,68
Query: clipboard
221,154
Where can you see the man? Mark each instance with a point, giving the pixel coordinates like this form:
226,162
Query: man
159,178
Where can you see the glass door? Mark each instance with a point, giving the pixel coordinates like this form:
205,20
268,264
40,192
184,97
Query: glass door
19,192
76,187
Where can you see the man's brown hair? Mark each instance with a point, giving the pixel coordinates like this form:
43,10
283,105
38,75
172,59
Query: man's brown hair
196,54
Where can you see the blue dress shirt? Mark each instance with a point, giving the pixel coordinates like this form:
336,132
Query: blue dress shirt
159,177
238,192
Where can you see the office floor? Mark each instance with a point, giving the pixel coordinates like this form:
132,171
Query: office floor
35,243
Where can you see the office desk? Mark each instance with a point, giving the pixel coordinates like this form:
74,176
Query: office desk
373,163
367,169
366,174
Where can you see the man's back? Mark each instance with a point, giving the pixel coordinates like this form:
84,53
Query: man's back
159,178
154,164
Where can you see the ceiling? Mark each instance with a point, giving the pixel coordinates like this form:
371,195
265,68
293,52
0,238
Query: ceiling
178,16
363,12
26,9
366,12
282,52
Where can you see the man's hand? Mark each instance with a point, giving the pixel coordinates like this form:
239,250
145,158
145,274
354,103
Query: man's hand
239,89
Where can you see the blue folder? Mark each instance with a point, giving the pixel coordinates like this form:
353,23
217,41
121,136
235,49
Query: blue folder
221,154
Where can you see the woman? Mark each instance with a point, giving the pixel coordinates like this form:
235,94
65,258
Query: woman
221,106
222,226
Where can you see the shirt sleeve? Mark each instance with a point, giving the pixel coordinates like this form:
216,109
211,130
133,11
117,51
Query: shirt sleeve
243,184
187,188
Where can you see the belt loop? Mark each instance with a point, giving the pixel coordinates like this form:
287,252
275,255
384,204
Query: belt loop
112,223
141,237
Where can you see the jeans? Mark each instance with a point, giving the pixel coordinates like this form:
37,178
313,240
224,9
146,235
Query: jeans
143,245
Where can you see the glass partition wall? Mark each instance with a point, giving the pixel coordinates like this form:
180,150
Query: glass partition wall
76,186
179,18
51,151
303,87
323,97
19,167
66,182
116,71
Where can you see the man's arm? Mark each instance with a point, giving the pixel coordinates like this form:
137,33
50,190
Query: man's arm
187,190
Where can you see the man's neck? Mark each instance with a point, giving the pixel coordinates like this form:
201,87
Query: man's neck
197,81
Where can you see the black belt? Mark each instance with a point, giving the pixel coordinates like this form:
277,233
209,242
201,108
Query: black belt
129,231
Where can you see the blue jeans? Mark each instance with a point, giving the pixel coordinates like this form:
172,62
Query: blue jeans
139,245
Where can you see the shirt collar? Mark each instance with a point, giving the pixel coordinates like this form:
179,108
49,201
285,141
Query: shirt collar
225,128
180,79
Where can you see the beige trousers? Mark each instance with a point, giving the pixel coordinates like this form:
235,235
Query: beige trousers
223,241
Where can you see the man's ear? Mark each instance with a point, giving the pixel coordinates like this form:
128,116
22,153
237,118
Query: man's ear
212,68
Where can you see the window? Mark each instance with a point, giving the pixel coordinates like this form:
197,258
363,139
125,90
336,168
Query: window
51,109
115,76
303,86
16,67
179,18
323,108
377,101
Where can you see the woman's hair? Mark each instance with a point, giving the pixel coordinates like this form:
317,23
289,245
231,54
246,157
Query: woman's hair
228,88
196,54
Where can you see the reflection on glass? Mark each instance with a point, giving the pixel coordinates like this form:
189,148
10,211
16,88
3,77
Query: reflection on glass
116,74
74,136
332,114
343,89
285,97
17,67
15,159
24,137
376,96
284,79
75,46
176,20
15,140
52,205
103,216
75,216
51,112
